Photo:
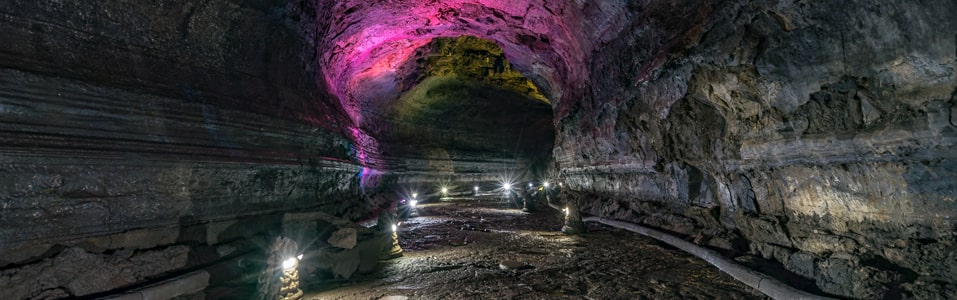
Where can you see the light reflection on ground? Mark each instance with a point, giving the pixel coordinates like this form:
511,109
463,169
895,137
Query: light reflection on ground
604,264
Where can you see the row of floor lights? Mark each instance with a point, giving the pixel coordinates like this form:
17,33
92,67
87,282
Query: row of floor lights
506,187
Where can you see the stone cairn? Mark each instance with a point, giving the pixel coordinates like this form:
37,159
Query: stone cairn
277,282
573,220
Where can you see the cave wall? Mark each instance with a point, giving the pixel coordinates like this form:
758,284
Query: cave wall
371,50
462,110
436,89
817,136
138,140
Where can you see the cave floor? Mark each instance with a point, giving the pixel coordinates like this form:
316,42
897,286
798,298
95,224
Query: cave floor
606,263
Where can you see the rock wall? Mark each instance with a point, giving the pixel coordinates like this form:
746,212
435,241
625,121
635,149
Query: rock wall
139,141
818,137
765,128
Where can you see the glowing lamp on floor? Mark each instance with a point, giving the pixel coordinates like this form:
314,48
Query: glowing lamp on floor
291,262
280,277
412,203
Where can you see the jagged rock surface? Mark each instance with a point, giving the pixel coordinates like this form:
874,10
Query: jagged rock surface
75,272
812,135
161,126
774,128
815,136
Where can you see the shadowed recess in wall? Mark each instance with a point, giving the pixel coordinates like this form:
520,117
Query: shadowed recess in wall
461,100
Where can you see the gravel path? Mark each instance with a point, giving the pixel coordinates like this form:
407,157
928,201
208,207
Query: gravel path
606,263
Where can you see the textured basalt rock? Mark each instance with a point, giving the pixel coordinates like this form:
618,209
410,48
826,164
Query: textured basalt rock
127,130
817,137
456,101
812,135
370,52
75,272
472,58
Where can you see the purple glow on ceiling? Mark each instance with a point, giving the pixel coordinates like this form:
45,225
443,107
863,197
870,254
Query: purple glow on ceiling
368,41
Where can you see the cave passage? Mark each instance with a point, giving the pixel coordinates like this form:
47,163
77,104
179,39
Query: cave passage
461,102
483,245
235,149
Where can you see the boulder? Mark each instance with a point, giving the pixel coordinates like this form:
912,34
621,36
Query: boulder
345,238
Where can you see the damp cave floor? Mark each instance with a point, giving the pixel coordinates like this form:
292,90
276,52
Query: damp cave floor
605,263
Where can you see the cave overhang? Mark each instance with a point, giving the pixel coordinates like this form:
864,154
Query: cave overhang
366,43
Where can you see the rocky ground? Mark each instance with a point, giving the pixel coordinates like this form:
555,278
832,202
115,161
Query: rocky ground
456,249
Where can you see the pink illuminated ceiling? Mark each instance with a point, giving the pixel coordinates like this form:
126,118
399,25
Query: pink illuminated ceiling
368,41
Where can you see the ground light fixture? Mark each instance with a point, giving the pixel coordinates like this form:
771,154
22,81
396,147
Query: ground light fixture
396,249
445,190
475,188
545,184
291,262
412,203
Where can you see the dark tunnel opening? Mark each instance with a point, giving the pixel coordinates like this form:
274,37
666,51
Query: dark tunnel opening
464,116
462,101
407,149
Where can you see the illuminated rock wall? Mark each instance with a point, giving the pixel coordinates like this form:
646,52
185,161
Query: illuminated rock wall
369,50
164,132
820,137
